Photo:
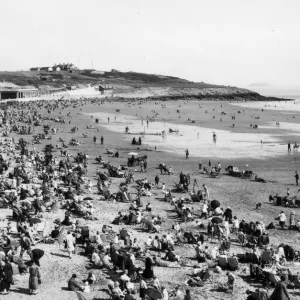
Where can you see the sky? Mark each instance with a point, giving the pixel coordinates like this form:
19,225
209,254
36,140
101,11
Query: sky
230,42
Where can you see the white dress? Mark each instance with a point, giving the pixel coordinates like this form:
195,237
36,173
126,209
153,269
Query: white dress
227,229
70,243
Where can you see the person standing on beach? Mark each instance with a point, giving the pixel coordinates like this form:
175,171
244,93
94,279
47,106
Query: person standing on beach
297,177
209,163
282,219
70,244
102,140
289,147
206,191
108,119
187,154
34,278
95,139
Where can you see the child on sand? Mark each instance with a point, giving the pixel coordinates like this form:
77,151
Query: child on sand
86,288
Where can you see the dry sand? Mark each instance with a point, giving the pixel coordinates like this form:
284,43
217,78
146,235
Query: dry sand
240,194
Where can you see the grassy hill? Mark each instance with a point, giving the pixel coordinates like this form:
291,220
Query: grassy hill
129,85
132,79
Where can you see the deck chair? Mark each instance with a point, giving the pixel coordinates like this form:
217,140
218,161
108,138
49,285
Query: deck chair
223,262
233,263
252,258
241,239
273,279
227,245
14,244
259,273
296,281
266,257
110,293
208,276
251,240
134,219
242,258
264,240
103,238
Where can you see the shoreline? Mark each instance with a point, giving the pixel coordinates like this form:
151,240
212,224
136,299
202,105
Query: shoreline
239,97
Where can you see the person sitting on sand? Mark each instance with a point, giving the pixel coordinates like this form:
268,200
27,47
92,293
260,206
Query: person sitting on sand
171,256
116,291
55,232
230,282
280,292
73,285
86,288
91,278
96,258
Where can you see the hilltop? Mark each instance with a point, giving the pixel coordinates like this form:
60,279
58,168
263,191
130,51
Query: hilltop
127,84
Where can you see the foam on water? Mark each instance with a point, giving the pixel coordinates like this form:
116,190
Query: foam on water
272,105
226,145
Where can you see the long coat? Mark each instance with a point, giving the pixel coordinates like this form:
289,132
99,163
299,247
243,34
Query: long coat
34,276
280,292
6,274
148,272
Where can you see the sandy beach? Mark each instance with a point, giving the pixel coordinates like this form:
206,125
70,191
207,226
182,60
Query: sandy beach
262,150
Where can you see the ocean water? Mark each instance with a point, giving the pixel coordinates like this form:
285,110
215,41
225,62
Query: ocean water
287,106
199,140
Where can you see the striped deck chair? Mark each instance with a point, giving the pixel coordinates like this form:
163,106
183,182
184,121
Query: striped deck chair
252,258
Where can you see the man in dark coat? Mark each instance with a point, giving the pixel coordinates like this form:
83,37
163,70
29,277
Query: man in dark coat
6,275
280,292
25,244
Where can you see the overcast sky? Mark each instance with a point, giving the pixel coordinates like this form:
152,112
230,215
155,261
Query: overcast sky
230,42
